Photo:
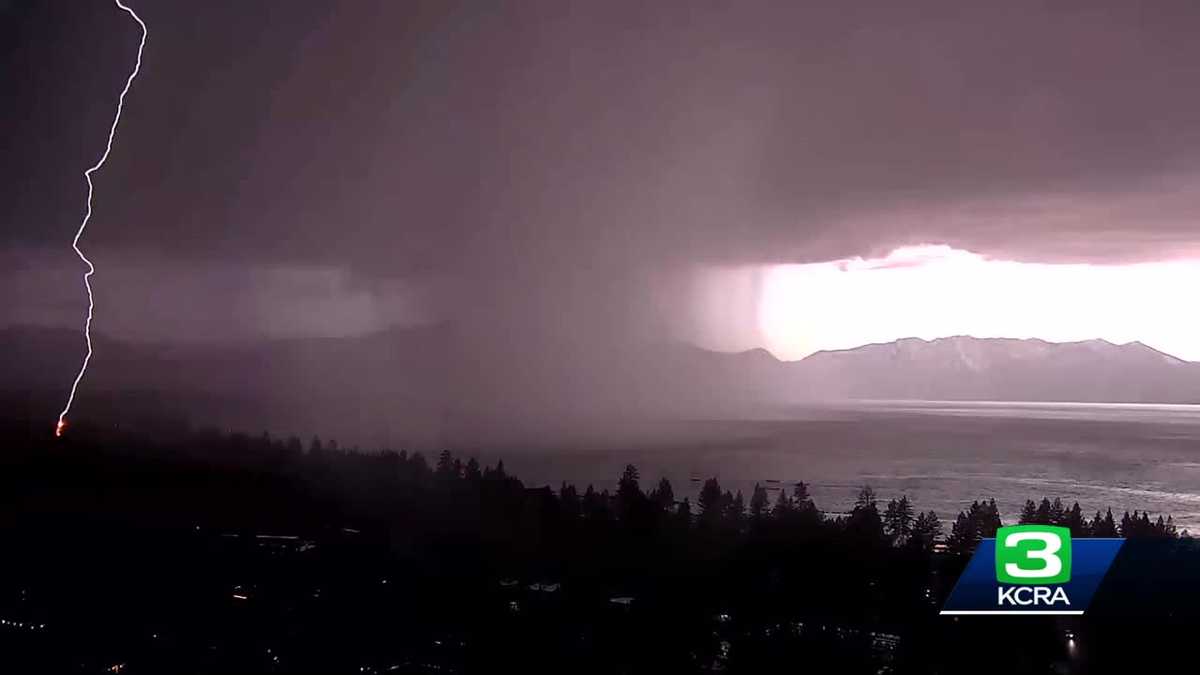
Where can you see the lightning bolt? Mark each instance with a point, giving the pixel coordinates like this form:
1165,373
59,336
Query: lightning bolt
91,269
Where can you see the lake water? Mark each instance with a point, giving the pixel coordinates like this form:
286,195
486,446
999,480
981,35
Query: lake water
941,454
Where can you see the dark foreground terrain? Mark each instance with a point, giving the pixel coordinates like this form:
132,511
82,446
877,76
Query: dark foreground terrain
207,553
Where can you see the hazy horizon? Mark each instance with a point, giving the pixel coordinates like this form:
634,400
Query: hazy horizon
241,343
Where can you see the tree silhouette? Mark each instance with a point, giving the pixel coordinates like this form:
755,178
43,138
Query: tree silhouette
1058,513
864,521
496,474
783,507
759,503
683,514
627,486
926,530
663,496
571,505
989,519
629,493
800,495
736,511
898,520
1042,517
472,473
1168,529
445,467
1029,513
1101,525
1109,526
807,514
1075,521
963,535
978,522
711,502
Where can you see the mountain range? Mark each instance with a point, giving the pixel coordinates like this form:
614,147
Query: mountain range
1001,369
414,384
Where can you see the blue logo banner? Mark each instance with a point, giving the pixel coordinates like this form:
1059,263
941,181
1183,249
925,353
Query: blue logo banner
998,580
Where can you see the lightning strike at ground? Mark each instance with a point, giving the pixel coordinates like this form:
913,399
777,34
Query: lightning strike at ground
87,283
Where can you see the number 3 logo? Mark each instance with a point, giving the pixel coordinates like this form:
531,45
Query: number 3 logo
1033,554
1051,564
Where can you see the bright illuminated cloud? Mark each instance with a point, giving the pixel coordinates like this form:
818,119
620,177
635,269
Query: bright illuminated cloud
937,291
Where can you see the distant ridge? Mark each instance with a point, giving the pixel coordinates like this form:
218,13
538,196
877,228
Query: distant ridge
959,339
1009,369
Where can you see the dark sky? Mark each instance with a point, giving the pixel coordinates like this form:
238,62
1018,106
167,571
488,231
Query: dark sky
557,169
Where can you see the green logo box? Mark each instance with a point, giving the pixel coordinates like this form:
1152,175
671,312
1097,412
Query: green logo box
1033,555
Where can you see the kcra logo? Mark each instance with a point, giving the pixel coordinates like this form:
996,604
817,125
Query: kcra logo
1032,569
1028,559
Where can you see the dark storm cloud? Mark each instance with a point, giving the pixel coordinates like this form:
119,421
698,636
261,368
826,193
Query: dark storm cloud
555,165
140,298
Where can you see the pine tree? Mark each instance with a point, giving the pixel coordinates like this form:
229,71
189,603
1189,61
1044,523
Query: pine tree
890,520
865,499
629,493
496,474
572,508
1160,527
864,520
1106,527
989,519
803,504
628,486
1075,521
683,514
783,506
1029,513
800,493
472,471
926,530
1058,513
1043,512
663,496
736,509
710,502
906,516
898,520
963,534
759,503
445,466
